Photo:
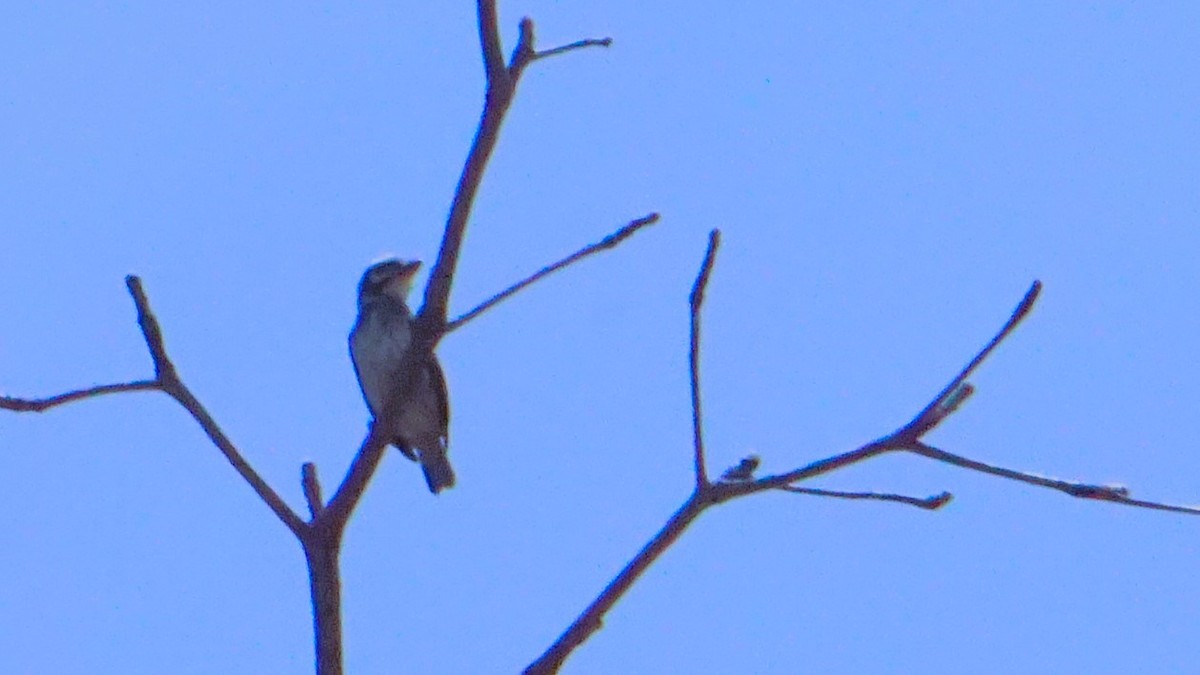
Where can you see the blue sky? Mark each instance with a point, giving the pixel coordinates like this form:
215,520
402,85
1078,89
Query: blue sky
889,177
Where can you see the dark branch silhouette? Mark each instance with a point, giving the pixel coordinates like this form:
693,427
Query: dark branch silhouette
739,480
312,489
167,381
579,44
611,241
44,404
929,503
696,301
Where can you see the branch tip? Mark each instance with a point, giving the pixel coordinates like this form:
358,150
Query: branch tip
928,503
696,300
578,44
312,489
714,242
1031,297
959,390
610,241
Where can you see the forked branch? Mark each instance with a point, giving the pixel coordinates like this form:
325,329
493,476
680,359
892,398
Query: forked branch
502,83
166,379
739,480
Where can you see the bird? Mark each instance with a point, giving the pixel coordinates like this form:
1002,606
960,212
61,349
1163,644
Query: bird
379,341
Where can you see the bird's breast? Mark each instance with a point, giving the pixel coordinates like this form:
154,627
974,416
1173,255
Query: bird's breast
377,346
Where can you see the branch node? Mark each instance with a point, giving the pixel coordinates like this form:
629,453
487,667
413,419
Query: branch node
524,53
743,471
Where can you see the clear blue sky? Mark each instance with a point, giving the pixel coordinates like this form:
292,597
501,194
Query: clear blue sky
890,177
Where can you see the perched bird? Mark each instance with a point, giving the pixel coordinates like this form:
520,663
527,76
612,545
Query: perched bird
380,339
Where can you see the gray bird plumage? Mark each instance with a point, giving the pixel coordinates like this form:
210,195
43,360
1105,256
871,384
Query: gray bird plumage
378,343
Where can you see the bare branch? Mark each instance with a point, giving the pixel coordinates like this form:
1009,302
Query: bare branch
579,44
739,482
501,87
592,618
312,489
170,383
184,396
937,410
163,369
929,503
524,53
43,404
696,302
349,493
489,40
609,242
1107,493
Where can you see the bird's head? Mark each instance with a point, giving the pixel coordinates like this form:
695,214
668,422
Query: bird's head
390,278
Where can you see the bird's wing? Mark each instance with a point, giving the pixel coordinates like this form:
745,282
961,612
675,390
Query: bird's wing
354,360
438,381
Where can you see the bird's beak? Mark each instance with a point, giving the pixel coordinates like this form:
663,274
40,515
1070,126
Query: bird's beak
409,269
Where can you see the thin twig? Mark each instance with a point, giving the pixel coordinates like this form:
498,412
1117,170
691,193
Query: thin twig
524,53
935,412
42,404
609,242
1107,493
312,489
172,385
696,302
164,370
211,429
929,503
579,44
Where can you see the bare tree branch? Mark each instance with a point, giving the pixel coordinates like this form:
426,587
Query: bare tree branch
501,87
167,380
579,44
172,385
43,404
738,481
592,618
164,370
696,302
609,242
489,40
312,489
1107,493
351,489
929,503
937,410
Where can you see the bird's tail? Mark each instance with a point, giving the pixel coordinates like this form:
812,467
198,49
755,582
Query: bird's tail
438,472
